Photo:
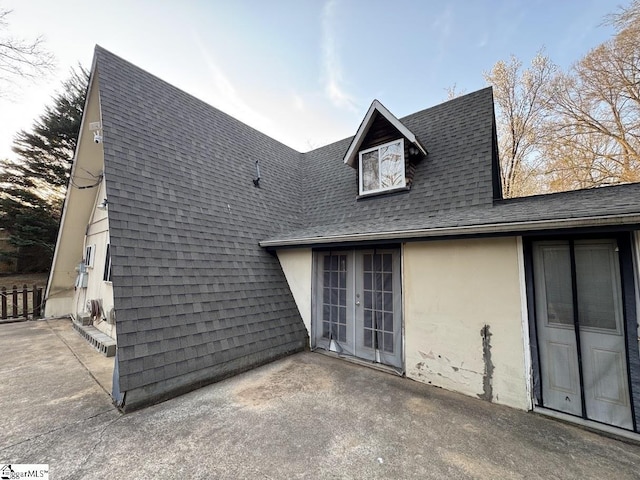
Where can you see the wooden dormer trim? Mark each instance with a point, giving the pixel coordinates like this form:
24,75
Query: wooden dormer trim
351,157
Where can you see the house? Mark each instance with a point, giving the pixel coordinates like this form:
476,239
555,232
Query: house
393,248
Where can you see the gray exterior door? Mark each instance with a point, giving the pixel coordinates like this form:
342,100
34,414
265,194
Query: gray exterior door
358,305
333,320
378,309
580,325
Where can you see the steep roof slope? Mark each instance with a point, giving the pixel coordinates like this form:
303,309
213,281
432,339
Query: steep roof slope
457,174
455,189
194,291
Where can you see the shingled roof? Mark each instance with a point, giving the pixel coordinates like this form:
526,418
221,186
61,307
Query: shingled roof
457,175
456,190
196,296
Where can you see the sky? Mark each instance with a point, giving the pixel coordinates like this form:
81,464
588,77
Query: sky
302,71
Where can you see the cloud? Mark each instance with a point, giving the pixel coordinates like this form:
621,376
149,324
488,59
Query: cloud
297,102
227,98
442,26
484,41
333,79
443,22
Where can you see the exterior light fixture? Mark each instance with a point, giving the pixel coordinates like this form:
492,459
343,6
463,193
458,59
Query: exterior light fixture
103,205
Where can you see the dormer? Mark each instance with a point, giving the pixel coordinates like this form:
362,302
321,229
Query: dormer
384,152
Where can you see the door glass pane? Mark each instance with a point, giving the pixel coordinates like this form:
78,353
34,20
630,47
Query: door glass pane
377,296
334,297
368,300
388,342
596,287
377,263
388,302
388,322
387,262
342,333
367,338
388,282
556,261
378,301
367,319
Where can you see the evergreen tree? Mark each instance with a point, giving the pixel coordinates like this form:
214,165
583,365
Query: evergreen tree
32,187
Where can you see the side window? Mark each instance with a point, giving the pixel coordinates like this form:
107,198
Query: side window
382,168
107,265
89,254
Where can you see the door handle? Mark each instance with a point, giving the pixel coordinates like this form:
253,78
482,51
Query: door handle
357,302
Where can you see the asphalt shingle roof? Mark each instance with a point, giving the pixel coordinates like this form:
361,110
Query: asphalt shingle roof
192,287
454,187
455,174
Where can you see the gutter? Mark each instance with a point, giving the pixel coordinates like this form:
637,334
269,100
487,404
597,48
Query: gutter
490,228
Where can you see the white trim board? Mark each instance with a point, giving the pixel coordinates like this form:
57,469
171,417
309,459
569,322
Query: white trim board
524,318
608,430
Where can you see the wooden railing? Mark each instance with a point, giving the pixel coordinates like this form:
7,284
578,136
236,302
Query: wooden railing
21,304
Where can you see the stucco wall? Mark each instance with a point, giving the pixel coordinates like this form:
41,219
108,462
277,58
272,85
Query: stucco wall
297,264
463,318
97,288
76,214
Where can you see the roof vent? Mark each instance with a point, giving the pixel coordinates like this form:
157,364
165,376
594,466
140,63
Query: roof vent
256,181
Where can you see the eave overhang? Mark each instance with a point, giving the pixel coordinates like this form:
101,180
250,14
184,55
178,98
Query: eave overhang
505,228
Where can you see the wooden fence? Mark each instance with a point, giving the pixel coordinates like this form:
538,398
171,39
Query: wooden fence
21,304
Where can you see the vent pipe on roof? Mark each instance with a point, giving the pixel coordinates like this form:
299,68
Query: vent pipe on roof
256,181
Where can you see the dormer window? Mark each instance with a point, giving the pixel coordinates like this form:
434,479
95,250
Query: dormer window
381,168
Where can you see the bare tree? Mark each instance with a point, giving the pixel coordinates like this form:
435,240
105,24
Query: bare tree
454,92
20,58
597,112
626,17
521,107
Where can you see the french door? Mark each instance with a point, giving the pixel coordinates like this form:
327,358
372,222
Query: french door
358,304
580,328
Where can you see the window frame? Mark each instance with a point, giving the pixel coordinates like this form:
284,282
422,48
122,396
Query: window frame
106,276
89,255
361,192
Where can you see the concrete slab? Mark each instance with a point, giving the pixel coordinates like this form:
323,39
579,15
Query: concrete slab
44,385
99,366
306,416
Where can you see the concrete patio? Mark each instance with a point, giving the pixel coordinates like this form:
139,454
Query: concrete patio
306,416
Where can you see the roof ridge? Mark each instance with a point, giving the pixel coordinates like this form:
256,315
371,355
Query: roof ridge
99,50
